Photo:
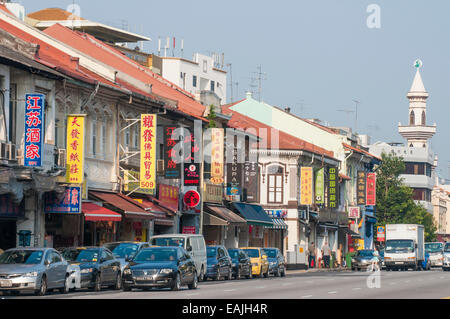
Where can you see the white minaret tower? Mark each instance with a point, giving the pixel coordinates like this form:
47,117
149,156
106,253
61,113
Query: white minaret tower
417,132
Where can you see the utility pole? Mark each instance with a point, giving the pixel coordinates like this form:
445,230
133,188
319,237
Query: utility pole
231,82
260,78
356,119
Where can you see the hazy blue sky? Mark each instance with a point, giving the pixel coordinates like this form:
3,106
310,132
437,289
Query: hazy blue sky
320,53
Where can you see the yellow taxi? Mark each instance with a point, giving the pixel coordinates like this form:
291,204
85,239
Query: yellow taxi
258,258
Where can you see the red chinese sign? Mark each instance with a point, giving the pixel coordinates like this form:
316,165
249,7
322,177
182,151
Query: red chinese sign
34,129
191,230
371,189
191,199
168,195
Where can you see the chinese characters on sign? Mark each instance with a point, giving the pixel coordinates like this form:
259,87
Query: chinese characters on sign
34,129
371,189
70,203
217,152
191,230
361,188
354,212
320,186
251,181
306,186
191,169
148,151
332,188
75,149
191,199
168,195
234,175
171,169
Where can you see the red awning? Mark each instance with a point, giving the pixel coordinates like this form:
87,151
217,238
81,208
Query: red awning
94,213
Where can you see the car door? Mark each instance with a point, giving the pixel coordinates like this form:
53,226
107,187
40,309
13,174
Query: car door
221,261
183,264
113,264
105,267
245,261
60,269
52,270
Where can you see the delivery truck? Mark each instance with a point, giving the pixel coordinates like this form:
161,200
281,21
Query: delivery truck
405,247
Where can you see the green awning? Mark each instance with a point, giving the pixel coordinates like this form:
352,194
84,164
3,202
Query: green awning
278,223
253,214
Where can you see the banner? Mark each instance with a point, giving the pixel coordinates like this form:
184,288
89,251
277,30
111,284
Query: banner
234,175
172,170
361,188
34,129
148,152
371,189
354,212
69,204
132,183
168,196
333,197
191,169
217,154
75,149
306,186
320,186
251,182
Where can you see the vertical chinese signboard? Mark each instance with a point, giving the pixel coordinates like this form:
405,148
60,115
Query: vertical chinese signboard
75,149
354,212
234,175
306,186
69,204
251,182
148,152
361,188
217,152
34,129
172,170
371,189
168,195
191,169
320,186
332,188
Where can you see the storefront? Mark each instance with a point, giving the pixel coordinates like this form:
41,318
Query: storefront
276,234
9,214
100,224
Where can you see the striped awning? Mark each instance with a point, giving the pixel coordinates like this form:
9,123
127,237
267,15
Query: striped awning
278,223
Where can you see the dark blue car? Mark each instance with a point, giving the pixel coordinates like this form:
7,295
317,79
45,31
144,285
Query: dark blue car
277,264
241,263
219,263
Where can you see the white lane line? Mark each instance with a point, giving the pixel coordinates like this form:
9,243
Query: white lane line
229,290
261,287
196,294
356,288
332,292
393,283
287,284
408,281
307,296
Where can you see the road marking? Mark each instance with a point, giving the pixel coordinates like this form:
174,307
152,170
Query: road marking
307,296
229,290
356,288
408,281
332,292
261,287
287,284
196,294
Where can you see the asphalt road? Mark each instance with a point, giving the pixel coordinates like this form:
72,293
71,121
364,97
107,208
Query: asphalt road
434,284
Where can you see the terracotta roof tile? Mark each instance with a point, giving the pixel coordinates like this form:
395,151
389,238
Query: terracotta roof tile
53,14
358,150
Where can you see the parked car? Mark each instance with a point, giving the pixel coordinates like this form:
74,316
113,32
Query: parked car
219,263
446,263
98,267
241,264
33,269
125,250
277,264
365,258
436,252
260,264
167,267
193,244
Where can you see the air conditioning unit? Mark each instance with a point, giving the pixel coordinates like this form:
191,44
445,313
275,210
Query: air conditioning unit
7,151
160,167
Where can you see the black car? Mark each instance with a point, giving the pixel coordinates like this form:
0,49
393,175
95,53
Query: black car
125,250
277,264
219,263
241,264
166,267
98,267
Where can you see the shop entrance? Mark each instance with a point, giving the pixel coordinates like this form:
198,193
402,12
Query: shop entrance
8,230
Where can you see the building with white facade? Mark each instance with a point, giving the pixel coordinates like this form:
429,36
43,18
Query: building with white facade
417,154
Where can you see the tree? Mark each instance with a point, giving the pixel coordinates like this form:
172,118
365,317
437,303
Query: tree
211,117
395,204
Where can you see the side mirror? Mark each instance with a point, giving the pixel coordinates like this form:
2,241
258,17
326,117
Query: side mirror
189,248
47,262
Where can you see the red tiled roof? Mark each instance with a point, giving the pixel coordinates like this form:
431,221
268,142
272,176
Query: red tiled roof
53,14
285,141
4,8
102,52
358,150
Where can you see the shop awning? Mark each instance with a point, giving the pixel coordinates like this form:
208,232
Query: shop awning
279,223
328,226
211,220
164,222
225,214
313,215
128,206
253,214
350,232
371,219
95,213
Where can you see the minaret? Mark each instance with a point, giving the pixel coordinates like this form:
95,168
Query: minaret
417,132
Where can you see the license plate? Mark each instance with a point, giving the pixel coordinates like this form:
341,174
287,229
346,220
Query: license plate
399,262
145,278
5,283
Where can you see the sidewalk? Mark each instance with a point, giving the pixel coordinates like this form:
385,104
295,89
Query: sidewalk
311,270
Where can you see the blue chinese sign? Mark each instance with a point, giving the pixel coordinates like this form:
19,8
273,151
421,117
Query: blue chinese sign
70,203
34,129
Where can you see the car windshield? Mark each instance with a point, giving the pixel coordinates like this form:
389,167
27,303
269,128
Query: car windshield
27,257
122,250
366,253
85,256
169,241
447,248
211,252
234,254
399,246
271,253
156,255
252,253
434,247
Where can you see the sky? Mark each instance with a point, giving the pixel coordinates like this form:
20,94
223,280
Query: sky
317,56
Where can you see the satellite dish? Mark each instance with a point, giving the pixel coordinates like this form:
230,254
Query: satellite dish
418,63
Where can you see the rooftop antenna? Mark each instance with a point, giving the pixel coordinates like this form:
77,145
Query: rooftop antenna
260,77
231,82
347,112
356,117
167,46
302,106
159,46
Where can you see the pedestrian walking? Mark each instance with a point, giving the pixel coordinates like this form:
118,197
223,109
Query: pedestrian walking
339,256
312,255
326,253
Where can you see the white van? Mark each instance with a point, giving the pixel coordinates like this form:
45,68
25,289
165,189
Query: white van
194,244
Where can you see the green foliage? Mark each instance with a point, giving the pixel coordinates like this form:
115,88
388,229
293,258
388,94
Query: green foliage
211,117
395,204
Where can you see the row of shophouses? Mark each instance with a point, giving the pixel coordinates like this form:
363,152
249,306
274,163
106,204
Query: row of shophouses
276,180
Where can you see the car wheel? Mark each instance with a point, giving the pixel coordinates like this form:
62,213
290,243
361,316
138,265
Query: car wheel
278,272
266,274
283,273
65,289
230,274
43,289
202,276
177,283
126,287
98,283
194,283
118,284
238,273
217,278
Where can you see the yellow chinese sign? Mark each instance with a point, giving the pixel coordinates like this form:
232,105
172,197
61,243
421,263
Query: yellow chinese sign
148,152
75,149
306,186
217,143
